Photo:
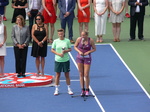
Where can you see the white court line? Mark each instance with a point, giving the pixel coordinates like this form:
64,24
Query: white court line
100,105
130,71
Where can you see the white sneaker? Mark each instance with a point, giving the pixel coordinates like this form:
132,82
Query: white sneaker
70,91
56,92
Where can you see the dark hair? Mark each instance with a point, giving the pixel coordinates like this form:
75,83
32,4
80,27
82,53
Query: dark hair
60,30
41,16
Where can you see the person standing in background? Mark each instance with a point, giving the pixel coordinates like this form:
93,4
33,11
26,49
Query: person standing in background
116,17
34,8
39,45
19,9
100,9
137,12
3,37
83,14
3,4
20,36
66,8
50,17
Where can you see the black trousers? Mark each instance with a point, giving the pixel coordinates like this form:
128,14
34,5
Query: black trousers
137,19
20,59
32,20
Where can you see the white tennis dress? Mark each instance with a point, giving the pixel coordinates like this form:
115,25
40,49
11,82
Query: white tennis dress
3,48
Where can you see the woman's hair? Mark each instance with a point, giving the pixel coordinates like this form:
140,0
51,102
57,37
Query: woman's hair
60,30
22,20
41,16
86,32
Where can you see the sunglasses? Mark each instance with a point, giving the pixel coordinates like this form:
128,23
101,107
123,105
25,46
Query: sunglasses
38,19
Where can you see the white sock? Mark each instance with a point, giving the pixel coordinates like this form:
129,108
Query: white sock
56,86
69,87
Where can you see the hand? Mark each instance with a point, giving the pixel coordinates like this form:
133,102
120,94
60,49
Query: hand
29,14
67,14
137,3
81,53
1,45
40,44
61,55
19,7
23,45
86,53
49,14
84,14
20,46
38,13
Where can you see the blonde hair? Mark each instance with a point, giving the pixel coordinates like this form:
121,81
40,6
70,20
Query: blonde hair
86,32
22,20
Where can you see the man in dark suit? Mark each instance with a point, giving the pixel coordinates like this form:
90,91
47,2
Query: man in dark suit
137,12
67,15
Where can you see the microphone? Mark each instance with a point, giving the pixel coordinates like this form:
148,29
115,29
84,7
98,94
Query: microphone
63,48
82,41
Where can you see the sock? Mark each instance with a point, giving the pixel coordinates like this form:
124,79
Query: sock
83,89
87,89
68,86
56,86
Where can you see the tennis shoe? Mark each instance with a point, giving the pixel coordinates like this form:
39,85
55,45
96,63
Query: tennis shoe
56,92
86,93
82,93
70,91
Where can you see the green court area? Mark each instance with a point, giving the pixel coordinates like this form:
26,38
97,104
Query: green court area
136,54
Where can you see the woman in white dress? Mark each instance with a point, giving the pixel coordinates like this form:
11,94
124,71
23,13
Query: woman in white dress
100,9
3,36
116,17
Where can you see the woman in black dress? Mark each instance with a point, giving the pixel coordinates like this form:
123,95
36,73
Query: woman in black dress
19,9
39,46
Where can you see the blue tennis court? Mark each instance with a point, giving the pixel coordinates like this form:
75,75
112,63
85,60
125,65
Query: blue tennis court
115,87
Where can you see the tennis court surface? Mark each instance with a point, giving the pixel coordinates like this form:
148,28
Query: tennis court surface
113,84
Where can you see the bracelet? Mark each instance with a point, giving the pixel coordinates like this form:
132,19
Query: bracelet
42,42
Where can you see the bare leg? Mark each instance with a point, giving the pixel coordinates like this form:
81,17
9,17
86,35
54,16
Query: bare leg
80,67
80,28
118,31
42,65
86,26
57,78
52,32
1,66
67,78
114,31
37,61
86,75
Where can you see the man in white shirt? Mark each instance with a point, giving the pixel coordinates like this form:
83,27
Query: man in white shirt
34,8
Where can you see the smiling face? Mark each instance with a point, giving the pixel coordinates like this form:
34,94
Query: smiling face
18,21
